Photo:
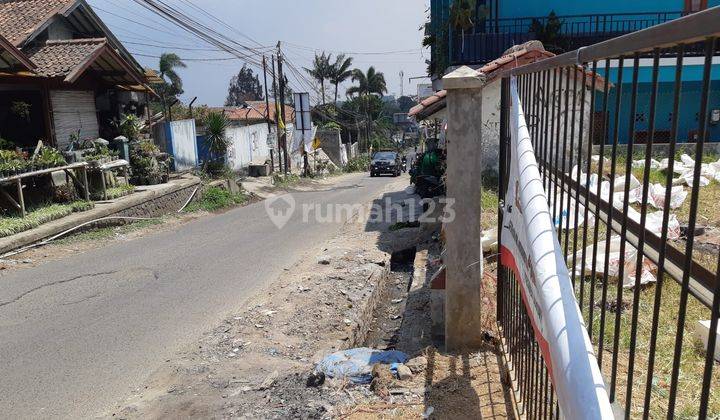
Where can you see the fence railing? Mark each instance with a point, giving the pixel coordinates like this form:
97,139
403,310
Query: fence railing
493,36
639,226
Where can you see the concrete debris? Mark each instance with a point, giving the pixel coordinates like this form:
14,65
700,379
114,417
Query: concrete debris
417,364
324,260
404,373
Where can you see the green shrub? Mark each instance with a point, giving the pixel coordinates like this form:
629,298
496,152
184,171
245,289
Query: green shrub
358,164
216,198
283,181
12,225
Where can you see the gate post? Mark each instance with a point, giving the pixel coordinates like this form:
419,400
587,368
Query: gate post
463,327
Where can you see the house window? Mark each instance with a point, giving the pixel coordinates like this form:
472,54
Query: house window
692,6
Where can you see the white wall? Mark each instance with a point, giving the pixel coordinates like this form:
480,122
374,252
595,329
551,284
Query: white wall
491,123
247,144
184,144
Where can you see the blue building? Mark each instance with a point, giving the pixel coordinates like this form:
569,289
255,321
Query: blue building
567,25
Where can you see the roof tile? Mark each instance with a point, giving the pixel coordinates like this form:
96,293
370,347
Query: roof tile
59,58
19,18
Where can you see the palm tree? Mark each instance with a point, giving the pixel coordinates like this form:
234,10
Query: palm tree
322,70
169,62
370,83
341,72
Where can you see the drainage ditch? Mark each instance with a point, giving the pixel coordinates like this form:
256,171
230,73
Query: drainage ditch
388,314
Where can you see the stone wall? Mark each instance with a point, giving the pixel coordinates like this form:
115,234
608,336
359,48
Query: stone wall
331,143
161,205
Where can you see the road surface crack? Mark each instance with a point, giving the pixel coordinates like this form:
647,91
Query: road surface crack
55,283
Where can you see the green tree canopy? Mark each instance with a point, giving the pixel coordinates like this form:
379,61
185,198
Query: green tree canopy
340,72
370,83
321,71
245,86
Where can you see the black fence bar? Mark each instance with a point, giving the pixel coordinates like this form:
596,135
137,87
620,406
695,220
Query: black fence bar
651,366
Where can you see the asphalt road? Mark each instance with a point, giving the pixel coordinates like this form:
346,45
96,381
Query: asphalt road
79,334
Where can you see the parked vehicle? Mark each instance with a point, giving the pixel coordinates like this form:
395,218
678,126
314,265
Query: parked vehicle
385,163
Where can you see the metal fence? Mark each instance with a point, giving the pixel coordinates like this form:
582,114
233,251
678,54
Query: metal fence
492,37
645,269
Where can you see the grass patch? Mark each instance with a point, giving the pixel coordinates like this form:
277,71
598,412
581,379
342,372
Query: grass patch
489,200
216,198
692,359
40,215
285,181
115,192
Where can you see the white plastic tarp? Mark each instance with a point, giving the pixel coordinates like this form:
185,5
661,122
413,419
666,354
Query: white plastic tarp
530,248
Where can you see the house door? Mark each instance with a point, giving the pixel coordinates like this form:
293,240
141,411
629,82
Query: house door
74,112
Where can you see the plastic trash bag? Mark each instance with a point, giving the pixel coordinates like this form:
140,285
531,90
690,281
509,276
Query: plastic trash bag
656,196
356,364
489,240
612,252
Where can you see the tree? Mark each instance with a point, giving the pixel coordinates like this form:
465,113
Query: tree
370,83
172,85
321,71
245,86
405,103
288,91
341,71
550,33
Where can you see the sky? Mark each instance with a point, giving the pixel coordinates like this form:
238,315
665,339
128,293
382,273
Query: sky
382,33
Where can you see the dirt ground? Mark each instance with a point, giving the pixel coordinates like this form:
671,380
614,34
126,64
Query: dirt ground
257,363
345,293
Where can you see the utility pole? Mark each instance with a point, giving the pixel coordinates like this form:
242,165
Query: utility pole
277,118
402,83
281,83
267,114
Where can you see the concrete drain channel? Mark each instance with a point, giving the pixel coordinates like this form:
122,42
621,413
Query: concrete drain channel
388,313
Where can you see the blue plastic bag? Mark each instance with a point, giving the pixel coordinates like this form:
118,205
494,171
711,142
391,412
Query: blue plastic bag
356,364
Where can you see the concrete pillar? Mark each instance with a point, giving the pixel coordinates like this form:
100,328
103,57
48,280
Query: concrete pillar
463,259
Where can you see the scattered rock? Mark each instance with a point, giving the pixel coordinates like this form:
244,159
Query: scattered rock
417,364
324,260
315,379
269,381
404,373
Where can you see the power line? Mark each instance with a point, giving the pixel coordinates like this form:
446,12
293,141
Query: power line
209,35
413,51
189,58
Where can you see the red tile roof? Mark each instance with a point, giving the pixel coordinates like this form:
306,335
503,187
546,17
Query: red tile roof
256,112
498,68
12,56
20,18
60,58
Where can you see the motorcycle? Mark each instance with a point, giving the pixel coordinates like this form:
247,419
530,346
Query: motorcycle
404,166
